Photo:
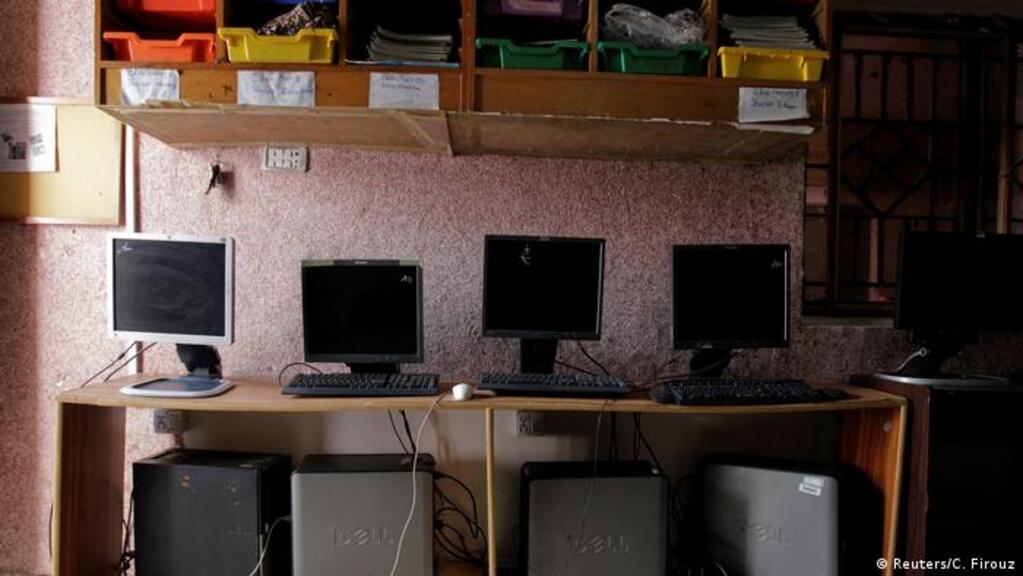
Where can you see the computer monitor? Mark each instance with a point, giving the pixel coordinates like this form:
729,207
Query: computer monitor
726,297
951,287
540,290
176,289
365,313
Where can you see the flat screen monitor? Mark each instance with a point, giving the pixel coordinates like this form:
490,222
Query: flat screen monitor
542,288
177,289
730,296
362,311
960,282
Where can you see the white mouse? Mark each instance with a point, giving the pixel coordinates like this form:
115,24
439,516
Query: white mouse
462,391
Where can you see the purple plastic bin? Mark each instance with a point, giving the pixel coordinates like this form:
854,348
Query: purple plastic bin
565,10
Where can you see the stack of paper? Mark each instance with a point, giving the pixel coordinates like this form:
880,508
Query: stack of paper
387,46
777,32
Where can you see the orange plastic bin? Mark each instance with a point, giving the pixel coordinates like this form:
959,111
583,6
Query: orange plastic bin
171,14
191,47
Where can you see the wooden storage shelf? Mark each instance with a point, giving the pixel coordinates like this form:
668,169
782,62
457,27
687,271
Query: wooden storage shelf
579,114
89,503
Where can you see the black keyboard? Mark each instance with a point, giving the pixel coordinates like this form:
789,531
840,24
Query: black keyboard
345,384
715,391
562,384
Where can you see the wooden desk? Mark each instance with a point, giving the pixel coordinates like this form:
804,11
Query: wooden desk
89,501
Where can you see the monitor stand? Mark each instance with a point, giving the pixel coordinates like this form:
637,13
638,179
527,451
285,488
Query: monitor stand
537,356
374,368
203,378
709,363
923,366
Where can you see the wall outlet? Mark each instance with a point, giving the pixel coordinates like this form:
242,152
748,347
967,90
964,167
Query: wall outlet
528,423
169,421
290,158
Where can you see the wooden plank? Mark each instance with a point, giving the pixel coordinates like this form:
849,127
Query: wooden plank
88,503
606,94
356,128
593,35
468,55
488,417
261,394
571,137
872,442
335,87
709,11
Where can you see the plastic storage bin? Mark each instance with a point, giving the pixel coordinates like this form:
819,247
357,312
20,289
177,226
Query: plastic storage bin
625,57
566,10
170,14
503,53
308,46
770,64
190,47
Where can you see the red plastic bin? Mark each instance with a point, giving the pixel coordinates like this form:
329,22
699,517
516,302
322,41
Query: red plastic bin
171,14
190,47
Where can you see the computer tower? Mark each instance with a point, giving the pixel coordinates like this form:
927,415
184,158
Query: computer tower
349,511
208,513
593,519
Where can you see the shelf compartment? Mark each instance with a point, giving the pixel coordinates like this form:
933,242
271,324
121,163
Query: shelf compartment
503,53
688,60
188,47
170,14
311,46
771,64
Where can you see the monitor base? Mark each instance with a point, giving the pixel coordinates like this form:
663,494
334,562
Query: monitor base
944,380
537,356
374,367
710,363
187,386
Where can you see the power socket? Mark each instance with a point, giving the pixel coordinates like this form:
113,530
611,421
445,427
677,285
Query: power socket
170,421
528,423
287,158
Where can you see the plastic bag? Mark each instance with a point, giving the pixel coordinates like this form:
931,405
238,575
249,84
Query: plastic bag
645,29
305,15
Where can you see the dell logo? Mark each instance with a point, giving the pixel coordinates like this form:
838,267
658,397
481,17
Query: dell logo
359,537
527,256
764,533
125,248
406,279
599,545
777,265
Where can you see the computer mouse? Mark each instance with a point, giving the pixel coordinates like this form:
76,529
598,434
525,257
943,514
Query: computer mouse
462,391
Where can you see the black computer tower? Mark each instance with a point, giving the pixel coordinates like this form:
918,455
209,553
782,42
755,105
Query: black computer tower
207,513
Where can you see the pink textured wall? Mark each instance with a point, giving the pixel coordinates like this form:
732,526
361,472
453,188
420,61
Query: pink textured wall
52,332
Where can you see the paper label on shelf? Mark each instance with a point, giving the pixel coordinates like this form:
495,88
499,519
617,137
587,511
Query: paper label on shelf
141,84
772,104
258,88
28,138
404,91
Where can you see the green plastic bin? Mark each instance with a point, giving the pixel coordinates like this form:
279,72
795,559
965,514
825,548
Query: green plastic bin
687,60
503,53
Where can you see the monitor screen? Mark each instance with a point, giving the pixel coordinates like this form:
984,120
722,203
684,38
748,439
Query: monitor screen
362,311
536,287
957,281
730,296
172,288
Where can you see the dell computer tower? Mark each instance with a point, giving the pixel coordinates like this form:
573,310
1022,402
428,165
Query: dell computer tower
349,511
207,513
593,519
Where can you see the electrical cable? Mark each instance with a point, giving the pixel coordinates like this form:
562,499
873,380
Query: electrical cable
415,462
394,428
573,367
266,543
591,358
107,367
128,361
703,370
637,420
408,431
280,375
127,556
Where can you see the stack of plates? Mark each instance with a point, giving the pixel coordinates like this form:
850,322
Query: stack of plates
775,32
387,46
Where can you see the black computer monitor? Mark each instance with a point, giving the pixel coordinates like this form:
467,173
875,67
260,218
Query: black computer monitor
177,289
365,313
726,297
540,290
951,287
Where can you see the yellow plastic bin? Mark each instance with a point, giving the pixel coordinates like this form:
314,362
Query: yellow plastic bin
771,64
308,46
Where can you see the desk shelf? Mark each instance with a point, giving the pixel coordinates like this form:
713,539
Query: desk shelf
89,506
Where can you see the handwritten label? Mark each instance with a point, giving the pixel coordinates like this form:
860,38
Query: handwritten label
771,104
139,85
406,91
28,138
256,88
